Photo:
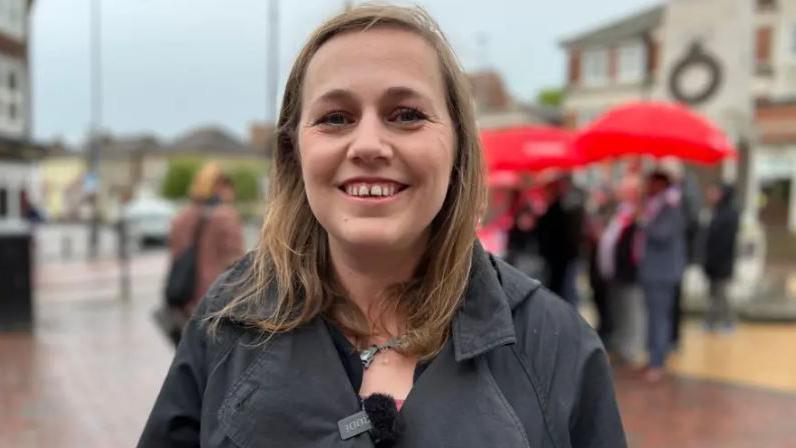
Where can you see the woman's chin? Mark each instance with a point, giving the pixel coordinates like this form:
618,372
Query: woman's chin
374,238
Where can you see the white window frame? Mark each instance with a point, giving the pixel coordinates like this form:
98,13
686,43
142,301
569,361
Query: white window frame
12,126
595,67
631,62
13,17
791,41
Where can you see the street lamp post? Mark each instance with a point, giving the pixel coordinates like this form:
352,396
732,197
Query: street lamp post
93,181
273,60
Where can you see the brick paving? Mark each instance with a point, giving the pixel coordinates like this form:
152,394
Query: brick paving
88,375
689,413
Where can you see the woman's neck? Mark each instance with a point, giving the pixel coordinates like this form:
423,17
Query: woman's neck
366,275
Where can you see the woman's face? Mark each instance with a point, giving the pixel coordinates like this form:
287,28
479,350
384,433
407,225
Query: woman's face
375,139
629,190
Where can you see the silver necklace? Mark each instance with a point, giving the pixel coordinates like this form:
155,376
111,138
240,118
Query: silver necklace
367,355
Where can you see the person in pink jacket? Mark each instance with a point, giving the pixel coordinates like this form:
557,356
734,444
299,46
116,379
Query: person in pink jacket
219,240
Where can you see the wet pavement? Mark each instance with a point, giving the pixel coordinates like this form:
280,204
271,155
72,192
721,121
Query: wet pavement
685,412
88,375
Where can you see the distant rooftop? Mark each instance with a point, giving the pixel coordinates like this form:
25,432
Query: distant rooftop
630,26
207,139
489,91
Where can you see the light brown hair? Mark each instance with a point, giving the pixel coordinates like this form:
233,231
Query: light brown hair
292,260
203,184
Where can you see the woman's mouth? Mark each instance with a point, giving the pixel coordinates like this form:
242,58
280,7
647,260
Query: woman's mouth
374,190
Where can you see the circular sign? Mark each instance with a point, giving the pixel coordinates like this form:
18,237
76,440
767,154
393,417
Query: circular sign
696,77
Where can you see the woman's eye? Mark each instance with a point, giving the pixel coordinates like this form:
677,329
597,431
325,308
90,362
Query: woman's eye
408,116
335,119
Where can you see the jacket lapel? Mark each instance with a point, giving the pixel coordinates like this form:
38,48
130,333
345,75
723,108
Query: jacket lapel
292,395
458,404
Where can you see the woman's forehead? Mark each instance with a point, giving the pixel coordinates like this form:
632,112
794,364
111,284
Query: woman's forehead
375,60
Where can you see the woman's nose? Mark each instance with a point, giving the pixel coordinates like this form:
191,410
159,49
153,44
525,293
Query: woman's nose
368,144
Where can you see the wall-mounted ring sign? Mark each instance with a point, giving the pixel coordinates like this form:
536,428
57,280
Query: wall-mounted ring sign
696,60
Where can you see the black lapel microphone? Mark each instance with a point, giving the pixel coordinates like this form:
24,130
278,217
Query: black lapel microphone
379,417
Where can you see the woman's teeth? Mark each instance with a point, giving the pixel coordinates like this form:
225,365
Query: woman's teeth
371,190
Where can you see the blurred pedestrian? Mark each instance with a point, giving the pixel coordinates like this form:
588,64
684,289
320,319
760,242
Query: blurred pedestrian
560,231
600,207
662,265
30,211
687,188
720,255
618,260
368,286
522,243
211,226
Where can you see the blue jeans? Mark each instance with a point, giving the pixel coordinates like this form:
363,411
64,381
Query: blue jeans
659,297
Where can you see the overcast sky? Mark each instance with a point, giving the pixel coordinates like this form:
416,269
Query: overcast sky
171,65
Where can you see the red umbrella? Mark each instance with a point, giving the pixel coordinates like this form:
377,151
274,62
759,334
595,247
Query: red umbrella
529,148
655,128
505,179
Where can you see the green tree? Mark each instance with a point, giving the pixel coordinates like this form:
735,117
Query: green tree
246,181
550,97
178,178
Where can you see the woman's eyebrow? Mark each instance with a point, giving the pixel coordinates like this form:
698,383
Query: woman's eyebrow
395,93
403,92
335,95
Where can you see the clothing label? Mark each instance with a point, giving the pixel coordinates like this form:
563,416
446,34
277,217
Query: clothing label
354,425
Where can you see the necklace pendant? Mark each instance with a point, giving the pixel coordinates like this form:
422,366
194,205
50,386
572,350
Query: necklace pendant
366,356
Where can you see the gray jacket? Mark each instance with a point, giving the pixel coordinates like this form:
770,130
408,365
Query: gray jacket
664,257
521,369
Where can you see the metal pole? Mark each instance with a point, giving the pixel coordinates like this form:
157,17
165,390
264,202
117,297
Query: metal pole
273,61
124,258
96,118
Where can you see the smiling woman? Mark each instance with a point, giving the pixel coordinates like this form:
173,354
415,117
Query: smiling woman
368,291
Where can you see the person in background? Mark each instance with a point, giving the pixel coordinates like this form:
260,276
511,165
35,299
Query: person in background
688,190
521,242
617,259
30,212
720,255
662,265
560,231
600,207
219,240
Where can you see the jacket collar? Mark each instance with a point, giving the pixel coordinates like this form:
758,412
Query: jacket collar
484,320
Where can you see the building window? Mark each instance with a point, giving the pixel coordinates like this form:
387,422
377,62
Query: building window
631,62
595,67
793,40
766,5
763,45
12,81
3,202
574,66
12,111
